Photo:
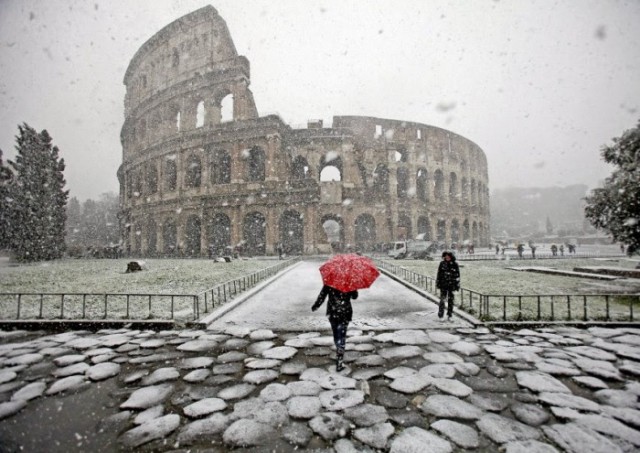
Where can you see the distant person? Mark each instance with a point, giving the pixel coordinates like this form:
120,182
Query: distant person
554,249
520,250
622,248
339,312
572,248
533,251
279,249
447,281
497,248
561,249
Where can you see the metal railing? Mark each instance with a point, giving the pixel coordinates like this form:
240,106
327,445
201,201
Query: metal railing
223,292
528,256
94,305
127,306
523,307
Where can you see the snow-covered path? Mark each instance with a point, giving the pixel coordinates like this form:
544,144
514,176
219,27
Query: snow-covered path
286,303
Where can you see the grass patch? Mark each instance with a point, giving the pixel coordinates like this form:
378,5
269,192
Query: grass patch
162,278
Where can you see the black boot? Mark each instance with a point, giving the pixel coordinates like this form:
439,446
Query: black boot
339,359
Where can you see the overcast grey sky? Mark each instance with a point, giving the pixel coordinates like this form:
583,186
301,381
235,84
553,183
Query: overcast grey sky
538,85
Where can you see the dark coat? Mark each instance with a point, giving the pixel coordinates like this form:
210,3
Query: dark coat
448,275
339,305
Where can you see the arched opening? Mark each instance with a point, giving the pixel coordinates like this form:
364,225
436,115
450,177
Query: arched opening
152,177
300,169
330,173
466,233
453,187
380,181
170,238
334,230
221,167
152,238
475,238
465,191
194,172
192,236
137,188
256,164
439,185
421,184
365,233
331,167
442,230
400,155
226,108
292,233
171,174
474,199
455,232
424,228
254,229
402,176
219,235
404,227
200,114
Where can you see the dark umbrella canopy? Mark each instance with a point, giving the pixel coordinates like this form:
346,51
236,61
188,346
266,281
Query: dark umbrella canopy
349,272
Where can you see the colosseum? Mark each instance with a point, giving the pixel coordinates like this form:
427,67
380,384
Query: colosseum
203,173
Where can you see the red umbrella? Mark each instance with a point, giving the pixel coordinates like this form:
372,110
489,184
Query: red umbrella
349,272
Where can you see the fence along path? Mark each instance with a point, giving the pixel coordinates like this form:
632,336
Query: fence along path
286,303
552,307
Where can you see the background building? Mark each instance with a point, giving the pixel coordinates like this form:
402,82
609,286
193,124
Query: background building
203,173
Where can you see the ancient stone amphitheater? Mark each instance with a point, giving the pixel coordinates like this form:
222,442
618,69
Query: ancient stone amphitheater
203,173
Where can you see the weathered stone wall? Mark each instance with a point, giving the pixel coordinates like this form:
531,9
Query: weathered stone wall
193,182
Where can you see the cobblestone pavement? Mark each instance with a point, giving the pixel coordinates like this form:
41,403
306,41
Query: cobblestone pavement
545,390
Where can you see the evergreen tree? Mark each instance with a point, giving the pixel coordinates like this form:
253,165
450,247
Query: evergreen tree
549,226
74,217
37,213
615,207
6,178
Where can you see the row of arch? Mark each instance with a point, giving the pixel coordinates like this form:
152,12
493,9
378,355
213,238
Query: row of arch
145,180
173,119
214,235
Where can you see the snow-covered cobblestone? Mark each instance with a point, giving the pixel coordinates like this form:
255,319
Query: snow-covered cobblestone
551,389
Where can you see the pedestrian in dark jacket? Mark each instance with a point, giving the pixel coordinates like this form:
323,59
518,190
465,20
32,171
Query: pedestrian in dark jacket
339,312
448,281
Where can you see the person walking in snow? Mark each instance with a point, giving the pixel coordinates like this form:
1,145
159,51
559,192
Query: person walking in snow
339,312
447,281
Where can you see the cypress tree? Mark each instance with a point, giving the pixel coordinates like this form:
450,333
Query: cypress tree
37,213
6,178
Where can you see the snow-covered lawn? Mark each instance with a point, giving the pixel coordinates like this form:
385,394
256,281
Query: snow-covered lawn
162,276
495,278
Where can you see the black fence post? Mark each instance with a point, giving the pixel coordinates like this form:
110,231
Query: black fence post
62,306
19,303
41,304
585,306
84,306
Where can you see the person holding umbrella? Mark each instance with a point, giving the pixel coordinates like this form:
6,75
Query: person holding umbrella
340,313
342,276
448,281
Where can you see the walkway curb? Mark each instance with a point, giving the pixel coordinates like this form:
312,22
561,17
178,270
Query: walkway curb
63,325
224,309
